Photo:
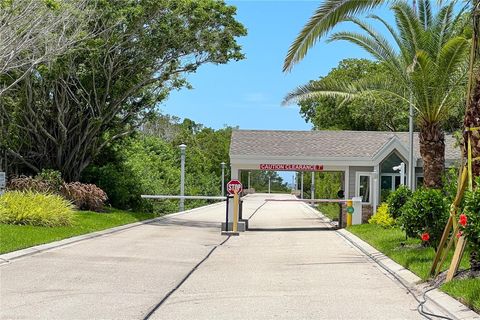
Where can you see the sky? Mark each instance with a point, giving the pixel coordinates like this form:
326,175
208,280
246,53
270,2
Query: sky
248,93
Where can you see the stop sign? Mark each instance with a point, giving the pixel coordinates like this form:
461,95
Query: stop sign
234,186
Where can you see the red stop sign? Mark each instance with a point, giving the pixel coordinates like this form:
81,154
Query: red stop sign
234,186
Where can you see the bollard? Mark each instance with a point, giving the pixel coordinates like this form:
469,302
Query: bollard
349,212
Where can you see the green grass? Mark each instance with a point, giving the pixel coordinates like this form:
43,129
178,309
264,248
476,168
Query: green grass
330,210
15,237
418,259
467,291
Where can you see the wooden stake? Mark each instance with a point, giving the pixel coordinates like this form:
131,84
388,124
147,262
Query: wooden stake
457,258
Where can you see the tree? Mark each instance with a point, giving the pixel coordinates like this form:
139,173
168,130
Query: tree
149,163
361,114
427,67
332,12
34,32
67,112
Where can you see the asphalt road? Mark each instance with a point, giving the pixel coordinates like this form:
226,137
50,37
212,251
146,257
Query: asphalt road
291,267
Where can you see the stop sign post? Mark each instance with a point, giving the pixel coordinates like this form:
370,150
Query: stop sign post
234,187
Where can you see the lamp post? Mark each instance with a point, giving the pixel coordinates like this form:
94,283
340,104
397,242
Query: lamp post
223,178
269,183
249,179
182,176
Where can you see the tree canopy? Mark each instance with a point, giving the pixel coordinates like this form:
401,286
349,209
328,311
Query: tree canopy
62,114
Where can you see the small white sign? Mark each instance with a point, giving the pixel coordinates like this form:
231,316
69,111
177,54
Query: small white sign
3,180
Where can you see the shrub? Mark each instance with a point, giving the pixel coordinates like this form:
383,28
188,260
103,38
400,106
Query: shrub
51,177
84,196
425,213
37,209
397,199
471,225
382,217
29,184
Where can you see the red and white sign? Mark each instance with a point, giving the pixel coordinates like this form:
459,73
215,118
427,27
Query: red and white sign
234,186
291,167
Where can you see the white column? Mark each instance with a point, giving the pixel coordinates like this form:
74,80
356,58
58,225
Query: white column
182,175
346,179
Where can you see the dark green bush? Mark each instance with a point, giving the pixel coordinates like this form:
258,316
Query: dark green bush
425,212
150,165
397,199
472,211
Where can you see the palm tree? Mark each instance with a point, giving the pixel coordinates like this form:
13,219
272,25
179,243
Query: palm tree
332,12
427,65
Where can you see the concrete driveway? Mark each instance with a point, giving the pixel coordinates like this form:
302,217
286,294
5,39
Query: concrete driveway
291,267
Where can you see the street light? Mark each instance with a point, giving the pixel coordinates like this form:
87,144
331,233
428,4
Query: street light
223,178
182,176
249,179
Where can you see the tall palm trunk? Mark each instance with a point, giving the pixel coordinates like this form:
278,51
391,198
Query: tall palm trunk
472,113
432,150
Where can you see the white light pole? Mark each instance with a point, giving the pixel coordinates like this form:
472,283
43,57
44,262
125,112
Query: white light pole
182,176
269,182
249,179
223,178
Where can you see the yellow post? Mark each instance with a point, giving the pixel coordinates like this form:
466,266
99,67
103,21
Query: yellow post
235,212
349,214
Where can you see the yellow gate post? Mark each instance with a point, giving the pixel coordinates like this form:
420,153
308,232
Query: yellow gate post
349,212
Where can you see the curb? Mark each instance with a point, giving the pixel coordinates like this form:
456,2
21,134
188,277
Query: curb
449,305
10,256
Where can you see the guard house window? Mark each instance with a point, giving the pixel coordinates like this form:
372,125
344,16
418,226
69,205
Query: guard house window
364,188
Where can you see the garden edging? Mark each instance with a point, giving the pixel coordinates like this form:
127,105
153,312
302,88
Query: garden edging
443,301
8,257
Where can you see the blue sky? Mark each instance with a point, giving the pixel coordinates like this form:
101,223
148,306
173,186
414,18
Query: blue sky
248,93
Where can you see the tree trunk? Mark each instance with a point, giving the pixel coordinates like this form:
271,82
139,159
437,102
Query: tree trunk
472,114
432,150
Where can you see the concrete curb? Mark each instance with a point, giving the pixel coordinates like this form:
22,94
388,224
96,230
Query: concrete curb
441,300
8,257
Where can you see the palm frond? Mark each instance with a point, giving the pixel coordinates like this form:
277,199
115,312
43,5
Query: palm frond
329,14
320,89
425,13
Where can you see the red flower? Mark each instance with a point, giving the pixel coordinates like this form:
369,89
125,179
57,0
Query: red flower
463,219
425,236
459,234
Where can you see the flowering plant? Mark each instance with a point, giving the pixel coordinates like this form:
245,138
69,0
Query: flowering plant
425,236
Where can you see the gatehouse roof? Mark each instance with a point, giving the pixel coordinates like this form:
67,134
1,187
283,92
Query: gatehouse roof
324,144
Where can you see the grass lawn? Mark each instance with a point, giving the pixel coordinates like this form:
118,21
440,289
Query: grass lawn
330,210
418,259
15,237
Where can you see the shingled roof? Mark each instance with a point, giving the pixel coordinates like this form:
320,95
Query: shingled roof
323,144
